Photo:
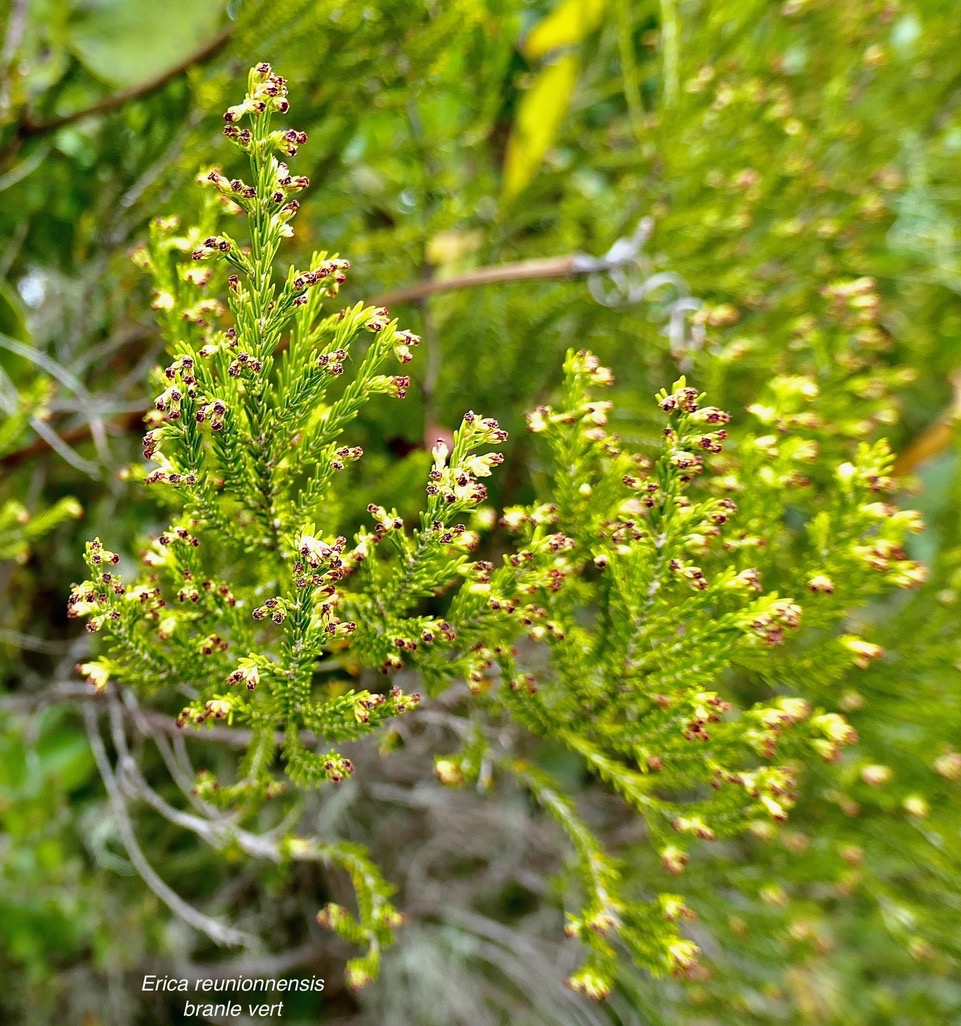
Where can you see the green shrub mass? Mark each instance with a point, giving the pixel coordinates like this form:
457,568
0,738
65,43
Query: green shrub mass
641,680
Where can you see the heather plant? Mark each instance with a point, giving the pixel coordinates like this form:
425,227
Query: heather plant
674,616
19,528
24,525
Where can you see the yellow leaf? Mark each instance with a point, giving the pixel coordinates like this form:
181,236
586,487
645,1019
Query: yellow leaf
567,24
539,116
449,247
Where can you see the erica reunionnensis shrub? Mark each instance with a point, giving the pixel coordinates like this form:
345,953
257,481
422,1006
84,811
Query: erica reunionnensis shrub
638,588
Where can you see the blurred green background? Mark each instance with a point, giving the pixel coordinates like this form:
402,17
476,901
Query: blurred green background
779,147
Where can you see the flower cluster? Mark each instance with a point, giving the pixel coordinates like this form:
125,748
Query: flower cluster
666,605
455,485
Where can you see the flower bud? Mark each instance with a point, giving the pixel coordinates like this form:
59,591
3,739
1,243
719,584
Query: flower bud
378,320
916,806
949,766
863,651
876,776
682,956
589,982
97,674
538,420
449,772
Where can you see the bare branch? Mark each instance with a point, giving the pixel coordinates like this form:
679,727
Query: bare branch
30,127
523,270
217,932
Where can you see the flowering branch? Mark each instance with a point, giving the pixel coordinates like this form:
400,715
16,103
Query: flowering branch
638,586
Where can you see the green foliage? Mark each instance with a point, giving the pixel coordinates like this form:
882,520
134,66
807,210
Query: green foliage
247,436
641,631
103,37
19,530
40,771
799,161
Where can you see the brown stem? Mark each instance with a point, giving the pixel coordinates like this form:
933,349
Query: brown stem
935,438
28,127
552,267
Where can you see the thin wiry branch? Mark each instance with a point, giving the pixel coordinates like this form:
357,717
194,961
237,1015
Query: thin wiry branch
174,755
129,780
217,932
132,783
32,643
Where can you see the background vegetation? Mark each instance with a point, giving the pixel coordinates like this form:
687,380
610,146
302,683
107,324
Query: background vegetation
780,148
